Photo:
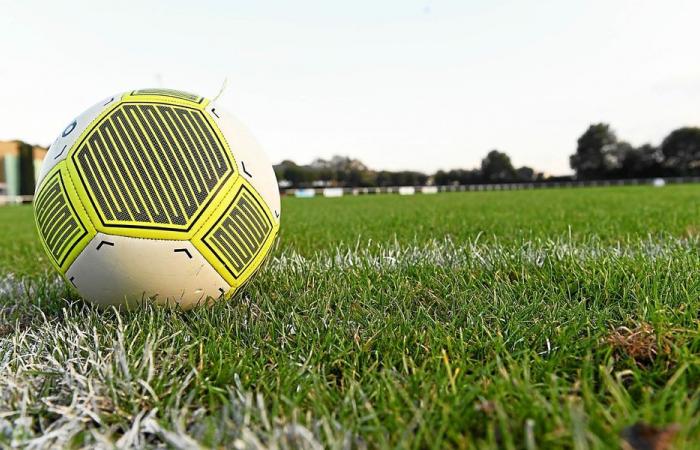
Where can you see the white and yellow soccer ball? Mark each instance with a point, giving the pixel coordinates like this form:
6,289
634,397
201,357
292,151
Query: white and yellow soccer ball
156,194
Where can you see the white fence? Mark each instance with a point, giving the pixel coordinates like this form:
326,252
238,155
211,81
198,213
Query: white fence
333,192
304,193
15,199
410,190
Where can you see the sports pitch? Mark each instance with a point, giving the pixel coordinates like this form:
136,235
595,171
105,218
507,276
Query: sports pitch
519,319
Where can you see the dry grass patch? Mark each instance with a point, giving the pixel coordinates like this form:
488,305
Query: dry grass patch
641,343
642,436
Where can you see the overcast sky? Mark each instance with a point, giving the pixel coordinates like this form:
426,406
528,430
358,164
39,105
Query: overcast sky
402,84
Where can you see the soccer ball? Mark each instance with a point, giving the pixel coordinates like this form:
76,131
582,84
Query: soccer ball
156,194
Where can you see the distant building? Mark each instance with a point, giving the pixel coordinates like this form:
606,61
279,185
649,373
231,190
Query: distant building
19,167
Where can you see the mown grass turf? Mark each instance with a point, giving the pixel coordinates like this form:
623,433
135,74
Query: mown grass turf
610,214
489,319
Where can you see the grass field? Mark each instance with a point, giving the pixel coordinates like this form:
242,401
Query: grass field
519,319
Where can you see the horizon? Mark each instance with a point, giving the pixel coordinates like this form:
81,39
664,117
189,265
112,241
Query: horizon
420,85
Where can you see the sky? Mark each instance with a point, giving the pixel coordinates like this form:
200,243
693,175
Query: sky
400,84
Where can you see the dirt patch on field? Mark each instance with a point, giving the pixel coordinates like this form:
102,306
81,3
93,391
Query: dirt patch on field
641,343
642,436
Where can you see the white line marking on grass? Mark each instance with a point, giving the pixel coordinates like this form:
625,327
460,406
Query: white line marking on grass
59,379
448,254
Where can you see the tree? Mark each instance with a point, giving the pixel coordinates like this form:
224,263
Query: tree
496,167
613,160
681,151
641,162
295,174
525,173
457,176
593,157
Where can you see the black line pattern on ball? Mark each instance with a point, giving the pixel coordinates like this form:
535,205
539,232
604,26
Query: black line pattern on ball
153,164
240,233
57,220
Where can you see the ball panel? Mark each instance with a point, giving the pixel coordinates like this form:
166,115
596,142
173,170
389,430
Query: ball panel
252,163
151,165
61,147
63,225
167,95
238,236
114,270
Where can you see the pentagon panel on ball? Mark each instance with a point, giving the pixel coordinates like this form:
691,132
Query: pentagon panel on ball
157,194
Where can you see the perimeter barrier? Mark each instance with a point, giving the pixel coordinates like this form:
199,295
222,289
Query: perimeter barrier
432,189
411,190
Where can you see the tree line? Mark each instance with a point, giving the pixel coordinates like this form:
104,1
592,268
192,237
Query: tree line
496,167
599,155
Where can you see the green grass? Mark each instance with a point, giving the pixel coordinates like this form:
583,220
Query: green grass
522,319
